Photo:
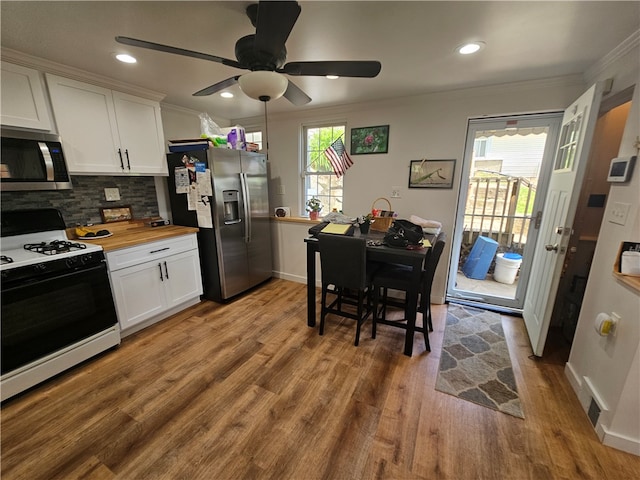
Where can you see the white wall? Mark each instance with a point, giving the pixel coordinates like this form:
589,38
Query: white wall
432,126
608,368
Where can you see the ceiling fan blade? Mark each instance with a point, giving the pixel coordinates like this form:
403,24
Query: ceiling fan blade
295,95
367,69
216,87
134,42
274,24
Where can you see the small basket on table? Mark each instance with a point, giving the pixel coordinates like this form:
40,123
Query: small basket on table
382,218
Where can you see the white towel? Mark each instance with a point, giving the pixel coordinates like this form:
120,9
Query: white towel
431,224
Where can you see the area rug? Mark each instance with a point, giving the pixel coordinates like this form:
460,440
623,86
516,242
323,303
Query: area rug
475,363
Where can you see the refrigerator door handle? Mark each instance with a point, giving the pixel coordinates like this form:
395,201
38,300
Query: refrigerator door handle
247,212
233,222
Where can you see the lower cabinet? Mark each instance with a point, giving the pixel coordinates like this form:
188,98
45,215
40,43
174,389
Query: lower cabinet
154,280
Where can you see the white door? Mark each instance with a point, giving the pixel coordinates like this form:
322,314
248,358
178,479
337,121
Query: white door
141,134
570,161
505,173
139,292
182,273
87,124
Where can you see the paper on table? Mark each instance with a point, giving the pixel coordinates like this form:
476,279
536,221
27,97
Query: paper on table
338,228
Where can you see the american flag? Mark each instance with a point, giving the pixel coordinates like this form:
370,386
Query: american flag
337,155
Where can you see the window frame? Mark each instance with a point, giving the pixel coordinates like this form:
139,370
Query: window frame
334,200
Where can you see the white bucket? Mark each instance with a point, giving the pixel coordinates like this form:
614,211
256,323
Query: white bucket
506,269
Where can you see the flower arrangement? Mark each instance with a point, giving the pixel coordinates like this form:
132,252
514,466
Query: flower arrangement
314,205
368,218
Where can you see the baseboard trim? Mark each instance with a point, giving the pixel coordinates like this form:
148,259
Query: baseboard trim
619,442
585,391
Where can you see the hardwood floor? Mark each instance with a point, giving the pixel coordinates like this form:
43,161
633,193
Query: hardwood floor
246,390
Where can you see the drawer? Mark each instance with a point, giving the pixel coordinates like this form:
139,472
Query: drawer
149,251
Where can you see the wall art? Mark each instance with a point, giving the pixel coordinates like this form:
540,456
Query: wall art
368,140
431,173
116,214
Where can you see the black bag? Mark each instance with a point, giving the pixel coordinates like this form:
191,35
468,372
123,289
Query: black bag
402,233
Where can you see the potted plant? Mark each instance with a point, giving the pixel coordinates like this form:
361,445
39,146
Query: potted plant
364,222
313,207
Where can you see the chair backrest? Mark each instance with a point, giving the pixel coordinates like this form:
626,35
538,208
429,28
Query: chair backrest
343,260
433,257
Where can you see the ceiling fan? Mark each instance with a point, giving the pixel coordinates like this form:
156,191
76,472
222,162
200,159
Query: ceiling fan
264,54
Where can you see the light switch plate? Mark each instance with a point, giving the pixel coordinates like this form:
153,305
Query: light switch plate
618,213
112,194
395,192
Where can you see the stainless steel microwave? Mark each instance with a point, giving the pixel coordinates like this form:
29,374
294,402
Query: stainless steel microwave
32,161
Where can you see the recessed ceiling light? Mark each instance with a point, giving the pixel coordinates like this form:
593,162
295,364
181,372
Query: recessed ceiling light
123,57
332,77
226,95
469,48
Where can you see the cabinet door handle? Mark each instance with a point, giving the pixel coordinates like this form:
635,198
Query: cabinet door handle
159,250
161,277
126,152
121,161
166,271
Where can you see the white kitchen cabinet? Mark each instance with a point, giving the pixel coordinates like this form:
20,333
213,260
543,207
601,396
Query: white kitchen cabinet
105,132
154,280
23,98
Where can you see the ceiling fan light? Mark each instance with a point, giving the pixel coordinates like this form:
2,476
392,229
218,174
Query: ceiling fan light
332,77
262,85
226,95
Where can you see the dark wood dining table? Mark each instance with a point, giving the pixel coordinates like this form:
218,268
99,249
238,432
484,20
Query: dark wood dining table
378,252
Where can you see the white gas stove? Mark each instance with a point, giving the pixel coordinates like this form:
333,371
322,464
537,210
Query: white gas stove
34,248
57,307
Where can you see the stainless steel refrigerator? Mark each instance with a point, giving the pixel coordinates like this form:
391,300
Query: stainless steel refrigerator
224,193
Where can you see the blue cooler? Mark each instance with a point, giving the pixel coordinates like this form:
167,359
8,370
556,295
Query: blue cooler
480,258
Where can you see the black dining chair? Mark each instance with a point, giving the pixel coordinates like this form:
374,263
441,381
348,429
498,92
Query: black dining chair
398,277
347,276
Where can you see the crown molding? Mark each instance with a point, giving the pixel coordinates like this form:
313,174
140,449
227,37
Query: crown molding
179,108
592,73
443,95
47,66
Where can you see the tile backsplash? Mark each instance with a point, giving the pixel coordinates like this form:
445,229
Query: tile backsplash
82,204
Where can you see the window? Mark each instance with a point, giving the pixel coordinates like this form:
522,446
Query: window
254,137
318,177
480,147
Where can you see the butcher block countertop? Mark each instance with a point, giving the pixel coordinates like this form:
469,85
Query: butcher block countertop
131,233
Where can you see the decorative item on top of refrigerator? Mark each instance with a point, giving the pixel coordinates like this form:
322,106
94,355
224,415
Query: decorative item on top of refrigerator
236,138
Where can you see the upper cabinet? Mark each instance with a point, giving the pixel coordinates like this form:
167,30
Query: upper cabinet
23,98
105,132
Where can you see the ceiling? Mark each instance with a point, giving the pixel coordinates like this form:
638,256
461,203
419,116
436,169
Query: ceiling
414,41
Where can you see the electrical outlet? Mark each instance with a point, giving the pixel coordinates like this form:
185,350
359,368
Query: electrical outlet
112,194
395,192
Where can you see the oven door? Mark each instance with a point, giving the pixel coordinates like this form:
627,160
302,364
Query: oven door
49,313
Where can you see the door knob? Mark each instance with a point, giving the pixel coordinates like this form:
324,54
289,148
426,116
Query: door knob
551,248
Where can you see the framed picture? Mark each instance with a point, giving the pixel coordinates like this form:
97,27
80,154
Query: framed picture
367,140
431,173
116,214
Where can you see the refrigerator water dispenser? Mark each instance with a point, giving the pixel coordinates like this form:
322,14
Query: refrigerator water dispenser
230,199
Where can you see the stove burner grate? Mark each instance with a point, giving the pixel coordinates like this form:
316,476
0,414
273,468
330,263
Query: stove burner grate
54,247
4,260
